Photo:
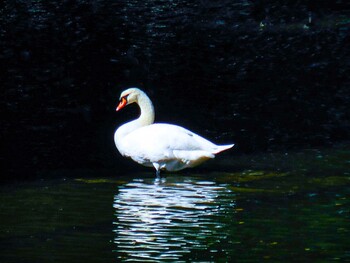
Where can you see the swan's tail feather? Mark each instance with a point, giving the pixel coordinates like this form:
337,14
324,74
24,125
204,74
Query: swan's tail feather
221,148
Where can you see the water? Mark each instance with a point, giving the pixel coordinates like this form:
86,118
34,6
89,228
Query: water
245,215
172,219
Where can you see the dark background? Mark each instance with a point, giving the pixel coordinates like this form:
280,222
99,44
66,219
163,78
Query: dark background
267,75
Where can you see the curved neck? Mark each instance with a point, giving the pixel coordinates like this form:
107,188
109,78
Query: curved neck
146,117
147,110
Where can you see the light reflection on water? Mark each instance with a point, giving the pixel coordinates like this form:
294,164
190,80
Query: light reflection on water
163,220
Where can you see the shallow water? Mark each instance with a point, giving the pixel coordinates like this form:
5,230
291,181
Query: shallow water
243,216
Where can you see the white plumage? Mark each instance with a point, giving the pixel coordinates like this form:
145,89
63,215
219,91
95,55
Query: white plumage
160,145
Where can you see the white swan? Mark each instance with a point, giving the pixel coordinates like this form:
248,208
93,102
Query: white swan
160,145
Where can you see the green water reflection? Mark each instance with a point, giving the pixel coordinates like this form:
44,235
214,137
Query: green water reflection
279,207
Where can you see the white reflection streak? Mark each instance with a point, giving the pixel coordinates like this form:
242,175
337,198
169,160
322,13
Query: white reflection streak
163,220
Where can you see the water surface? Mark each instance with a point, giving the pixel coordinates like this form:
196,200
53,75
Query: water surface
295,212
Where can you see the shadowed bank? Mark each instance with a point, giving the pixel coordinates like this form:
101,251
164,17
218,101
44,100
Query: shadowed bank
271,75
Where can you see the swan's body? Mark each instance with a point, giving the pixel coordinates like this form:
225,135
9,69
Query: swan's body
160,145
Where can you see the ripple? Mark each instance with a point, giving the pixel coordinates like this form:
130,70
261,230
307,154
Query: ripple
159,220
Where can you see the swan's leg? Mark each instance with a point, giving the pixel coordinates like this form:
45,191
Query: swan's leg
156,165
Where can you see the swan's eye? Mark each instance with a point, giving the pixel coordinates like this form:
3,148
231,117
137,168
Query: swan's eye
122,103
125,97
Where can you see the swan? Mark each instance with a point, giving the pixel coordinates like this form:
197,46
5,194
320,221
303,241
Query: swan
160,145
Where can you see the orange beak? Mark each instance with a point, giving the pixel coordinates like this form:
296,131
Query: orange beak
121,104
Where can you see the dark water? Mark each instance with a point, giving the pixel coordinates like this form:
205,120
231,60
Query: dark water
297,211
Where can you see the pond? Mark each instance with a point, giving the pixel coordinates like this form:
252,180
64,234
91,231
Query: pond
274,207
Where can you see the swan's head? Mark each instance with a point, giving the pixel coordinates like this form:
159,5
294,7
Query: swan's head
129,96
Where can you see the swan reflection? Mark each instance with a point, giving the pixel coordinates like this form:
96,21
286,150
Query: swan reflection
166,219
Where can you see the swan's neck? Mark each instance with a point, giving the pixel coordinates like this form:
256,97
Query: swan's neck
147,110
146,117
